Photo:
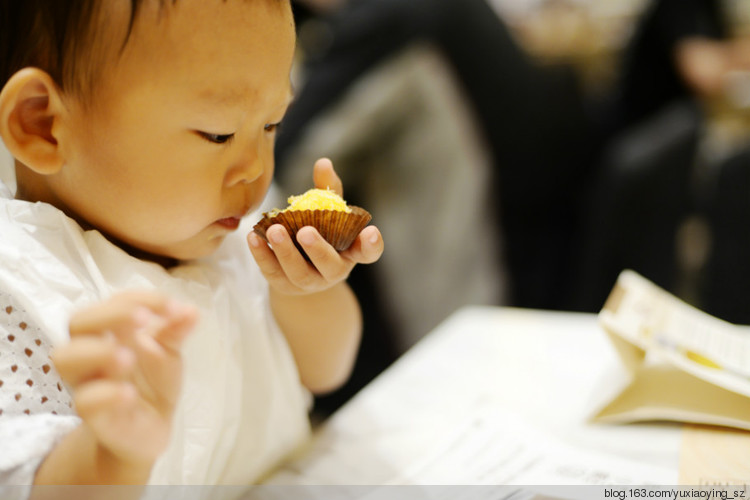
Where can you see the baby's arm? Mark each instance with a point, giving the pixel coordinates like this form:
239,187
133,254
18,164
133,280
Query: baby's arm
313,305
123,367
323,332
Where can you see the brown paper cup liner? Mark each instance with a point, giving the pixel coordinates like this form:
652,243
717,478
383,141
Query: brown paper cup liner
338,228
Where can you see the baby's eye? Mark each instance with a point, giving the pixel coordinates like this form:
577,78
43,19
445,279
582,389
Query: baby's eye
216,138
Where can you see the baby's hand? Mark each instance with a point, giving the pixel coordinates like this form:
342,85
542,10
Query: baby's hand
124,368
288,272
285,267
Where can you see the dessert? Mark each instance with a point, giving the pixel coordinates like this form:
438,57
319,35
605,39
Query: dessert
323,209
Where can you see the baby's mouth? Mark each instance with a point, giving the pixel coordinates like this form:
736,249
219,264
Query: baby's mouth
231,223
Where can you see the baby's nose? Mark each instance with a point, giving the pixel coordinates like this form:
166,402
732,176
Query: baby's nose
245,172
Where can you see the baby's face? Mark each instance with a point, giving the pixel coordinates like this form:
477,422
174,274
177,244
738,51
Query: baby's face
178,144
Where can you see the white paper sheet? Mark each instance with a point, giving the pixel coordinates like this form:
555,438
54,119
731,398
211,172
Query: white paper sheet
497,447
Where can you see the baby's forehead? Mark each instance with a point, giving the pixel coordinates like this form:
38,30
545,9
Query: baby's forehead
230,44
122,25
159,16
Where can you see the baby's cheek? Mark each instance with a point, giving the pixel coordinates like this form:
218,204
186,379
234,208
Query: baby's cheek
173,222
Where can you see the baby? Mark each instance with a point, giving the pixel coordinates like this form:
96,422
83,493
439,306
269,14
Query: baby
146,334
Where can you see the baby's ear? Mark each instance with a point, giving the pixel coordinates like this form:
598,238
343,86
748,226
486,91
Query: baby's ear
30,109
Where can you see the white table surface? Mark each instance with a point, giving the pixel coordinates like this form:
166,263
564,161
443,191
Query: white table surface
551,369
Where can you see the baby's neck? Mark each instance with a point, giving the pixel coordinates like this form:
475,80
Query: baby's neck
165,262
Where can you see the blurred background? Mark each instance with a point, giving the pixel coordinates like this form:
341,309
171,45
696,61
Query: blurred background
524,152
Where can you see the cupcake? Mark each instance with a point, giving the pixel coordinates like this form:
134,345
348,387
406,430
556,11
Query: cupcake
323,209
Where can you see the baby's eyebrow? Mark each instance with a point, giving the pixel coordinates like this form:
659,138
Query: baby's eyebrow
223,97
229,97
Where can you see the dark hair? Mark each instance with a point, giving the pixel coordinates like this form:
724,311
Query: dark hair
57,36
62,37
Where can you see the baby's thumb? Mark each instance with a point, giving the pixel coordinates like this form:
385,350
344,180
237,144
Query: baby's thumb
180,321
325,177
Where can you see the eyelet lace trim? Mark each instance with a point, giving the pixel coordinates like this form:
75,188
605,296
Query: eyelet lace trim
29,383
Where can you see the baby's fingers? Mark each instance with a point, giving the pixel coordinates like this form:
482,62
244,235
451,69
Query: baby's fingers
120,312
125,315
121,422
266,259
283,265
171,329
89,358
103,399
367,248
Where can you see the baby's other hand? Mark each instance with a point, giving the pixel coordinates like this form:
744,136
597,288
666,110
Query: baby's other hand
124,368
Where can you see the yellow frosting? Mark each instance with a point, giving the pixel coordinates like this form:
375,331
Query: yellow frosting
317,199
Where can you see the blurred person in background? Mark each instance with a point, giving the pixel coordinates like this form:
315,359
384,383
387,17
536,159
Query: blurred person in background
680,49
651,131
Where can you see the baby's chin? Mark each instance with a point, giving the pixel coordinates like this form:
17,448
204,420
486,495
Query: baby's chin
196,252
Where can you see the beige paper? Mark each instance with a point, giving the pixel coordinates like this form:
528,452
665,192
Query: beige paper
714,456
684,365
